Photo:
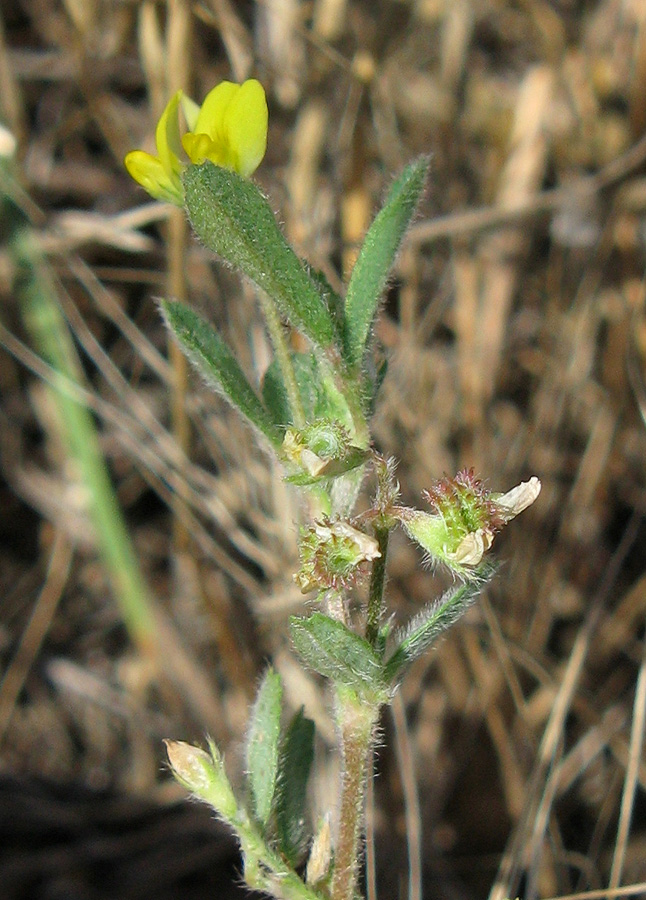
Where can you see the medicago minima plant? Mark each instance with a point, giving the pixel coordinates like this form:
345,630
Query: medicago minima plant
313,411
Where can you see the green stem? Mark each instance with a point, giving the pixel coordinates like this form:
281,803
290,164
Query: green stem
265,870
377,582
277,335
356,721
204,775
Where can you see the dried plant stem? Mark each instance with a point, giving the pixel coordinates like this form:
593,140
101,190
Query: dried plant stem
356,722
178,43
411,797
179,410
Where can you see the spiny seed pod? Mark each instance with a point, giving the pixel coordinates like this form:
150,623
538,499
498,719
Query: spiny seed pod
465,519
332,555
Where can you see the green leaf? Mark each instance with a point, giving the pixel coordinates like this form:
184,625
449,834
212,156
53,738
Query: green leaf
262,744
307,378
372,384
382,639
331,649
334,468
216,362
231,216
294,764
320,396
376,259
427,626
334,303
274,394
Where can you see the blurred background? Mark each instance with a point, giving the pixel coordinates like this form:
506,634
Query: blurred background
147,544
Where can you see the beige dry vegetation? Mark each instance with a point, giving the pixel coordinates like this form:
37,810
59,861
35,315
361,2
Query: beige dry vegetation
516,328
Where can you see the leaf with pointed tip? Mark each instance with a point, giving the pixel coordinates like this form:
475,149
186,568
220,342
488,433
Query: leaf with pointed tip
377,257
262,744
427,626
216,362
331,649
231,216
294,764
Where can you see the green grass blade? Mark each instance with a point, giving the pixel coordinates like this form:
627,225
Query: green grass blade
51,337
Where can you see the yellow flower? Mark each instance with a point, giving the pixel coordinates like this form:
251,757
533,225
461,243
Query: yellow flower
229,129
160,175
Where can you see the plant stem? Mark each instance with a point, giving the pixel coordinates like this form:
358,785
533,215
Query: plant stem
179,63
377,582
277,335
265,870
180,422
356,723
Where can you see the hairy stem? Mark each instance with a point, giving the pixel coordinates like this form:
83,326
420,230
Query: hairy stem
356,723
264,868
377,583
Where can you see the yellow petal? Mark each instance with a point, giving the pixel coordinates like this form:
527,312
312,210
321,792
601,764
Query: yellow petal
211,117
191,111
245,127
149,172
199,147
167,136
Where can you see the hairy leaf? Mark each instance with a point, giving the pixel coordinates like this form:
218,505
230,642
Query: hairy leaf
216,362
331,649
425,628
231,216
262,744
294,764
377,256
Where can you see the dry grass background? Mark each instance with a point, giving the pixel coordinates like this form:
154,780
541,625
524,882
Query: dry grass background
516,327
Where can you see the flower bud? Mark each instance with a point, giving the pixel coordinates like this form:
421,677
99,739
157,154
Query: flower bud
203,774
321,450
